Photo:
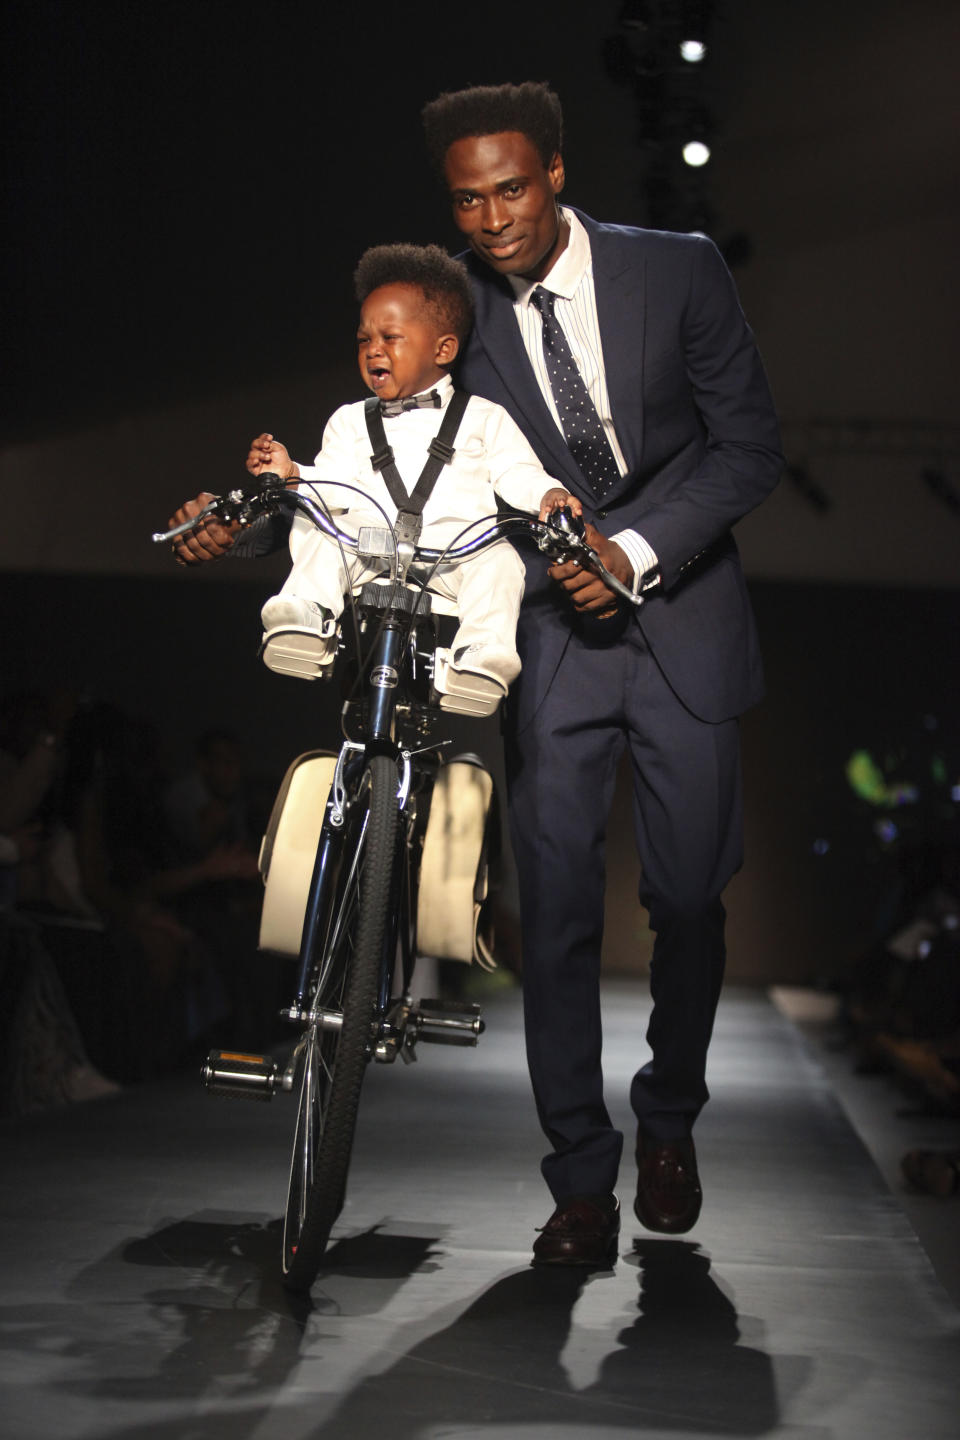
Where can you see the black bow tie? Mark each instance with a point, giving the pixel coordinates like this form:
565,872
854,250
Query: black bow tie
430,401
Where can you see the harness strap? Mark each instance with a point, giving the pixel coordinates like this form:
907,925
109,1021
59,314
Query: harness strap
440,452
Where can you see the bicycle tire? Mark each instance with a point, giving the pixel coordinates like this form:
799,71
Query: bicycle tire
332,1063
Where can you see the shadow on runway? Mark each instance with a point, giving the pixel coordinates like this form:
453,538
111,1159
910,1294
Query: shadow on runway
677,1366
221,1341
227,1344
226,1250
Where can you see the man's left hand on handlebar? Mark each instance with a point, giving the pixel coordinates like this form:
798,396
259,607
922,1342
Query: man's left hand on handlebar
587,591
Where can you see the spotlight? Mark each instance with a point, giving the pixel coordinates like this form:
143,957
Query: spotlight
696,153
693,51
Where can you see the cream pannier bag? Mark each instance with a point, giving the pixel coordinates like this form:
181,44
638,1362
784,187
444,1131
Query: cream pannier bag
454,873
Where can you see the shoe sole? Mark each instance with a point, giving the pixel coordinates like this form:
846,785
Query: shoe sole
564,1262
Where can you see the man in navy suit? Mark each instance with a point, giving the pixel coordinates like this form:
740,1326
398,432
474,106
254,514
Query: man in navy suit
682,444
667,369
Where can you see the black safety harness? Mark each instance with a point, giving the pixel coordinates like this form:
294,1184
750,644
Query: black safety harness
440,452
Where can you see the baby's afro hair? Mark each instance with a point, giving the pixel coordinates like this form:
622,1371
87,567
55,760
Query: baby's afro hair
443,281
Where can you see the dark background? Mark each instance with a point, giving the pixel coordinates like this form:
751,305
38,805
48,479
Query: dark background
188,188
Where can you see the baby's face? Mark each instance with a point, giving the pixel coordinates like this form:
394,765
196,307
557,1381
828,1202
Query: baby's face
398,342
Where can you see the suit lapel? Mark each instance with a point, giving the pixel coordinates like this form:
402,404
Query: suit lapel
619,280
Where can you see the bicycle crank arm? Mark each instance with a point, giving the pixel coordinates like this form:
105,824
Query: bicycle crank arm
441,1022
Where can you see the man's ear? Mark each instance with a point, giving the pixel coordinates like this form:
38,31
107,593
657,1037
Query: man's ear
556,173
448,348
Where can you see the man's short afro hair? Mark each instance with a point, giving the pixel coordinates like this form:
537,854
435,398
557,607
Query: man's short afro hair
532,108
443,281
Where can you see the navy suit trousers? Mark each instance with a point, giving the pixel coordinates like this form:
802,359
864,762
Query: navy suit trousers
561,770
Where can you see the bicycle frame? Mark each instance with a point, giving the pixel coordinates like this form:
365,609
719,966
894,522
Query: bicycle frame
359,919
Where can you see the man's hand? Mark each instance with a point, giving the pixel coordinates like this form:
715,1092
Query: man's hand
587,591
211,539
267,454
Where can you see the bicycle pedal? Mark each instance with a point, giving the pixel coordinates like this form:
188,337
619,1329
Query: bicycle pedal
447,1022
240,1076
449,1007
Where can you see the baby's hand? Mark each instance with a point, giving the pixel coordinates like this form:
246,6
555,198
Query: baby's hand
267,454
556,499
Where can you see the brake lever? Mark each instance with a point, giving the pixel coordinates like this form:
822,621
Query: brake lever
245,503
563,537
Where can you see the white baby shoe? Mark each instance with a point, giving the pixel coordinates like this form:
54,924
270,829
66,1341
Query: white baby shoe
299,637
472,680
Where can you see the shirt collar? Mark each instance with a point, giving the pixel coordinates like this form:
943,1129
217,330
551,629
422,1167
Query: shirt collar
443,387
568,270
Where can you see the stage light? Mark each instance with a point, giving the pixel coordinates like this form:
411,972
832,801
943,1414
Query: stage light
695,153
693,51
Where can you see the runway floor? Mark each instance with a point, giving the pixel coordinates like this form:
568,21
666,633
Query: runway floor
140,1242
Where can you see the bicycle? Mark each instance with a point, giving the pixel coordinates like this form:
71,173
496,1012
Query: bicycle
343,895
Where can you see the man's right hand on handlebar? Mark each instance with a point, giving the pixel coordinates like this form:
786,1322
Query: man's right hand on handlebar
211,539
214,537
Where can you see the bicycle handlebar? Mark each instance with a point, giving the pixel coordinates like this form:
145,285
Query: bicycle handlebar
561,536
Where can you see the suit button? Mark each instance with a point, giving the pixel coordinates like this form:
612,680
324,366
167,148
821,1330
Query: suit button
601,514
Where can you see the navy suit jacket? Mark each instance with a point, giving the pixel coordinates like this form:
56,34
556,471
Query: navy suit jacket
696,423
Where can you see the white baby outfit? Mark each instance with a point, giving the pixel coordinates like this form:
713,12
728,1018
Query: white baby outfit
491,458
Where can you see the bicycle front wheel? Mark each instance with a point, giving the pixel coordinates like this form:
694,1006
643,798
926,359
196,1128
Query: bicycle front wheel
335,1048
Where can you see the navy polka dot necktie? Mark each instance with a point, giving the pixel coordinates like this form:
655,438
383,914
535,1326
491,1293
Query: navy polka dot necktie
581,425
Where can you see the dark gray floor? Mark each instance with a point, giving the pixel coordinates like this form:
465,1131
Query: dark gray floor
139,1262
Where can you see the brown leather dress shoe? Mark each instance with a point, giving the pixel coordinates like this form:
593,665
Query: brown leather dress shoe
668,1186
579,1233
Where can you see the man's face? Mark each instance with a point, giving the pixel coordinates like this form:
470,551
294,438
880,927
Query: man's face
400,348
505,202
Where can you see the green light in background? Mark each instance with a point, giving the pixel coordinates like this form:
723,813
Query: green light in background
866,778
